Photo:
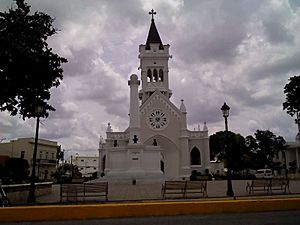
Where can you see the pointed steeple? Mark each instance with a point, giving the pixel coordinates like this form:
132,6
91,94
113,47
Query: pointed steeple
154,58
153,35
182,107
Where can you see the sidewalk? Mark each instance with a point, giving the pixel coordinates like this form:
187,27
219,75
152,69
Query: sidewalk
143,190
144,199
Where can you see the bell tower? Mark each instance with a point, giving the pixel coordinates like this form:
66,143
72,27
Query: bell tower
154,58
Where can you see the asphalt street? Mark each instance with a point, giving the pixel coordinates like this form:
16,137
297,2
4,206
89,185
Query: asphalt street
264,218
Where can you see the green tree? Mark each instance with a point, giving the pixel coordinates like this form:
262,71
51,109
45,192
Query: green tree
292,100
16,169
251,148
293,166
236,148
28,67
65,172
262,149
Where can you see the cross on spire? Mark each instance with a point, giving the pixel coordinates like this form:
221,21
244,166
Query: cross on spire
152,12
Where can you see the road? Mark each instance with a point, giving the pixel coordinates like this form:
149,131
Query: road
265,218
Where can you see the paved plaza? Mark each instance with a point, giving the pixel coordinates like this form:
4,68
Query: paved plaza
145,190
144,200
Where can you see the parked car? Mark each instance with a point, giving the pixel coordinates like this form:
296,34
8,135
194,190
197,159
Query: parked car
264,173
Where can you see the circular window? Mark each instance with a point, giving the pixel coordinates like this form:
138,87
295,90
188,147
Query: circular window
157,120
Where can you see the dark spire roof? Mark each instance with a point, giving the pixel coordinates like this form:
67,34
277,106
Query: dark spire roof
153,35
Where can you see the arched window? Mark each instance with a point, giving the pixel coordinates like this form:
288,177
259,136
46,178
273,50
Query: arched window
149,75
195,156
161,75
155,75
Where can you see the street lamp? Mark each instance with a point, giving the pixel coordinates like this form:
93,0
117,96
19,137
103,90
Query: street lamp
31,196
225,110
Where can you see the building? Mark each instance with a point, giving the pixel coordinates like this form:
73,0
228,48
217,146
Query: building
157,143
23,148
293,150
292,153
87,165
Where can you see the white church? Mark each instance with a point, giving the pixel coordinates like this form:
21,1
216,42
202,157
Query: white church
157,143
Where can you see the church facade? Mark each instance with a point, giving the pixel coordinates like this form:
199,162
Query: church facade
157,143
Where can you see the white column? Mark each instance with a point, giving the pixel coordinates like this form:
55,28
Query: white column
134,118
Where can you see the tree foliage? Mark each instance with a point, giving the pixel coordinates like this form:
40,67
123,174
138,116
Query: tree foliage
292,103
292,91
28,67
293,166
250,152
236,148
262,148
65,172
16,170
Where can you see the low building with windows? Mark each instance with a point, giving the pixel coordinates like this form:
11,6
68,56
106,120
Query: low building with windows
23,148
87,165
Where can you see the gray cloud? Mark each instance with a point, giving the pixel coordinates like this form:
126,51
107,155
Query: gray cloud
80,63
105,87
212,30
275,21
289,64
241,52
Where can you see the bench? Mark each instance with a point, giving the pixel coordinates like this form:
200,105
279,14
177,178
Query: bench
184,188
268,185
83,190
280,185
196,187
259,185
173,187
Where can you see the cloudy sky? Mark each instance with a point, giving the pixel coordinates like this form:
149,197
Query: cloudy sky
238,51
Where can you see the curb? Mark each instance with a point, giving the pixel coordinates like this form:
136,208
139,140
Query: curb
82,212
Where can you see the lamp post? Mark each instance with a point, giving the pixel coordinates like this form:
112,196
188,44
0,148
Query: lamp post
225,110
31,195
